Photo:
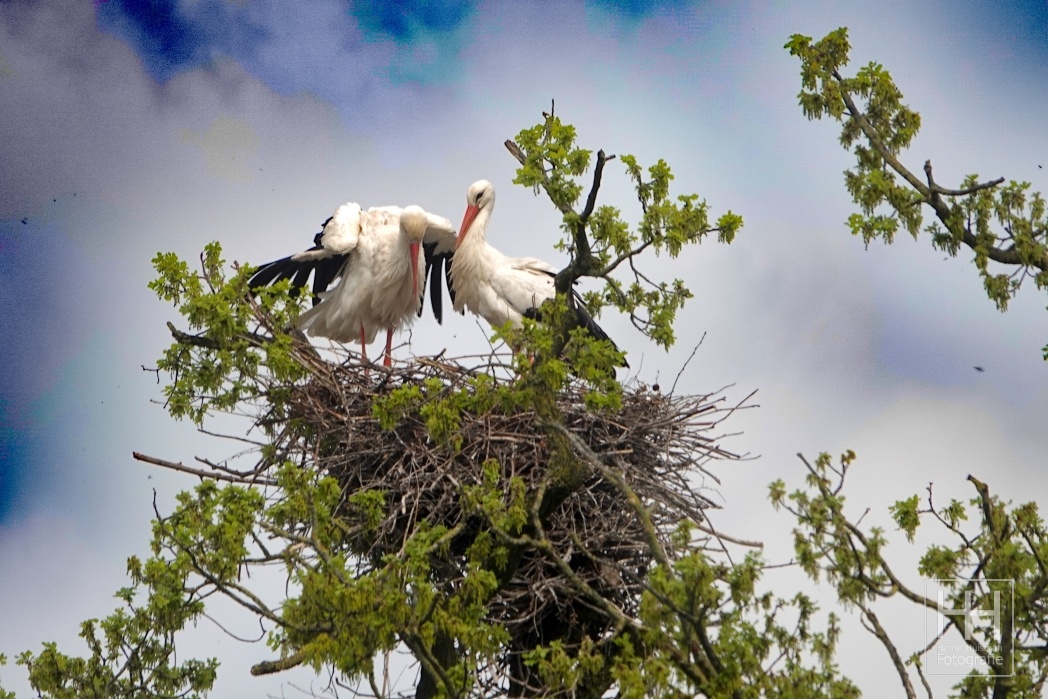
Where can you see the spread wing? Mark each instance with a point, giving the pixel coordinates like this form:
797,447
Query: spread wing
439,249
325,261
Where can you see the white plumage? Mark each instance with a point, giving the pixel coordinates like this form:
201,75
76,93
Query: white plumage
377,258
496,287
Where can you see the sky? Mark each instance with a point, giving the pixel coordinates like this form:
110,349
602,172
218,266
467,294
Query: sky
128,128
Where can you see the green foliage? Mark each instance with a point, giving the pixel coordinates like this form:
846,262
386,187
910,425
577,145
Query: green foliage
506,510
209,528
1000,223
132,652
389,410
906,516
343,616
440,407
562,671
598,237
1009,547
552,161
739,641
1021,214
891,125
370,505
432,401
590,361
228,363
309,504
4,694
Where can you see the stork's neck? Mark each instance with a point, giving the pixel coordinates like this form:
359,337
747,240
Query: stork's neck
474,262
476,235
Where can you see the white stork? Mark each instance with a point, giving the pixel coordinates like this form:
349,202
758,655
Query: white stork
498,288
376,257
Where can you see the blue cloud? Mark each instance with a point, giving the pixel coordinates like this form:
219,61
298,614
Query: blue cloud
638,9
428,34
164,39
14,461
1028,19
35,332
409,21
416,41
171,37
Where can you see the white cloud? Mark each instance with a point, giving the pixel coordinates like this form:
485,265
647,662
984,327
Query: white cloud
849,348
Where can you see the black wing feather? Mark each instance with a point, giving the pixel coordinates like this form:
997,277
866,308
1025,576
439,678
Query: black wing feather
447,277
585,320
436,296
324,271
438,275
436,293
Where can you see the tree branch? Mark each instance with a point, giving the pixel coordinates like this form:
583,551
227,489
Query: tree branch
515,151
931,193
957,192
582,263
255,480
429,663
184,338
269,667
875,139
900,667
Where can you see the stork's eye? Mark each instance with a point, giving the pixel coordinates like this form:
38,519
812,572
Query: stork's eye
479,195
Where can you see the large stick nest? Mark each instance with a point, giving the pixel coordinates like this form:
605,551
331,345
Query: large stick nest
660,444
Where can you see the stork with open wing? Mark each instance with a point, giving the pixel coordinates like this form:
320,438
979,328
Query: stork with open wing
377,258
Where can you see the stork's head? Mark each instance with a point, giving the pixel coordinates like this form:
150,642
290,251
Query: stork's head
413,222
481,195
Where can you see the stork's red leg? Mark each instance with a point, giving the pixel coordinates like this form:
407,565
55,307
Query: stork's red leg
363,343
388,360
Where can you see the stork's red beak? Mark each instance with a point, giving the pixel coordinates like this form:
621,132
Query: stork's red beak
471,213
413,251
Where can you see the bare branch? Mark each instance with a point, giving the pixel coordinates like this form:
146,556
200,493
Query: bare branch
269,667
900,667
211,475
673,388
957,192
582,263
